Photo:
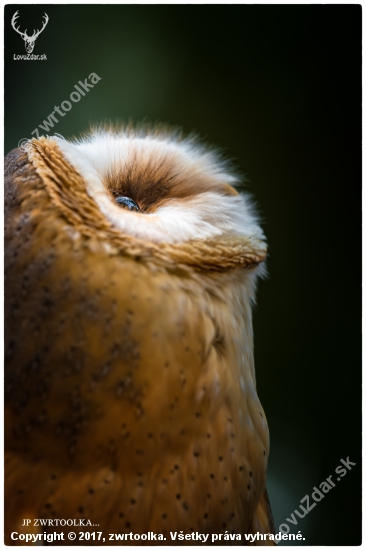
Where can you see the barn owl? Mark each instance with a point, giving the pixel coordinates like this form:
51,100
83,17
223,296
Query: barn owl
130,395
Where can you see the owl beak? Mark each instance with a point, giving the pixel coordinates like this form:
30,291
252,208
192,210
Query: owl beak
228,190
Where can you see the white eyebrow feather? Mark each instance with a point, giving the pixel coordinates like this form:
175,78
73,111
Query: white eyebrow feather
201,216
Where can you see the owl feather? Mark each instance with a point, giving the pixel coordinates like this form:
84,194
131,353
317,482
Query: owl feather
130,393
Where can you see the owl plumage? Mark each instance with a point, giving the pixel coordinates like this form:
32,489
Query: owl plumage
130,389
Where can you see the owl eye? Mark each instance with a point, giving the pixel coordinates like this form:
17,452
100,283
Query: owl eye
126,201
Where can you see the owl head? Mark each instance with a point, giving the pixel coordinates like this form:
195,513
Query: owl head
157,190
179,189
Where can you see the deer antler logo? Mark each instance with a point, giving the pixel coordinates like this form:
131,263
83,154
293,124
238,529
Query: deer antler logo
29,40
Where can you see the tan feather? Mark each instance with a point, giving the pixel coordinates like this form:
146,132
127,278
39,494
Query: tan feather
130,385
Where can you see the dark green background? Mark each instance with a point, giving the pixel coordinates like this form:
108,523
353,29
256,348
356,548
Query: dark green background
279,89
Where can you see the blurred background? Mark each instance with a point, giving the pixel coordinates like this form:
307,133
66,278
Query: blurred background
278,88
